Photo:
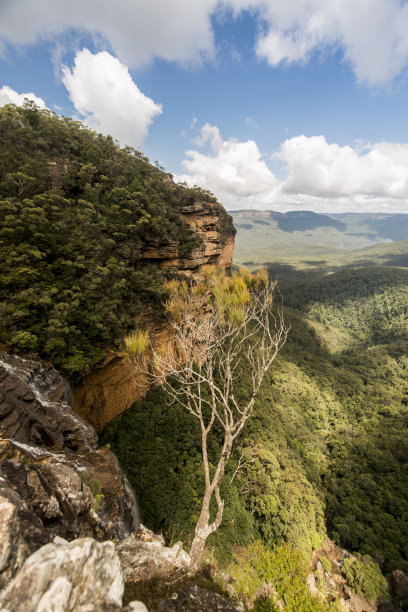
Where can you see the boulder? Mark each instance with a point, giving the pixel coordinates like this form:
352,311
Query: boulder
144,557
13,548
135,606
78,576
399,583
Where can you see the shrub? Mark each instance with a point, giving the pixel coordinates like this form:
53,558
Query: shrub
364,576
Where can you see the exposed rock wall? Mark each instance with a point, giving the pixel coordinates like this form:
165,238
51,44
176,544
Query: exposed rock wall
215,246
53,479
111,388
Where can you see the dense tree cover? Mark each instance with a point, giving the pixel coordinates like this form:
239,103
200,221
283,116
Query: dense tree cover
370,304
364,576
76,211
325,452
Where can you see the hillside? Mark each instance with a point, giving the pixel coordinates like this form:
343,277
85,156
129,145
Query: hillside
83,224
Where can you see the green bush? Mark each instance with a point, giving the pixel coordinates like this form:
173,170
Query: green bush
364,576
283,569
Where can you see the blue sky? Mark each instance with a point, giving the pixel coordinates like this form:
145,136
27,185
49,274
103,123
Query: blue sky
271,105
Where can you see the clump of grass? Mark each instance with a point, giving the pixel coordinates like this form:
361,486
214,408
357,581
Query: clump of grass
134,344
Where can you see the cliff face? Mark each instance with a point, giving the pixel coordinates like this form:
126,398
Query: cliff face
54,481
111,388
215,248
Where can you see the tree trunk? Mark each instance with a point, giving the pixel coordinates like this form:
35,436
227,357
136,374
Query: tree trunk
202,531
203,528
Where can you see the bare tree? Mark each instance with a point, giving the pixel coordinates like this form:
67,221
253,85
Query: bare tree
222,326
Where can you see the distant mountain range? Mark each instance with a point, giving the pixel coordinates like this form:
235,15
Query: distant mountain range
267,235
386,226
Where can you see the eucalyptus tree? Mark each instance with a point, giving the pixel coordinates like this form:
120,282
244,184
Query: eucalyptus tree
223,327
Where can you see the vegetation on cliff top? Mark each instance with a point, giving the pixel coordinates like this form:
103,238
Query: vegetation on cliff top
76,212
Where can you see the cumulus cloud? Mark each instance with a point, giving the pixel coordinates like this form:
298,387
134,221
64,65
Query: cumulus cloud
325,170
319,176
9,96
107,99
371,34
234,171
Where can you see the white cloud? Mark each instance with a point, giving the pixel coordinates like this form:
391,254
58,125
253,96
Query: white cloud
370,33
324,170
9,96
137,30
107,99
234,171
320,176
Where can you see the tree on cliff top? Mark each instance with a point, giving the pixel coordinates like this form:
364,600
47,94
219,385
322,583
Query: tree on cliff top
222,326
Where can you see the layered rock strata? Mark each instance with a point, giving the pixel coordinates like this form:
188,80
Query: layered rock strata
216,247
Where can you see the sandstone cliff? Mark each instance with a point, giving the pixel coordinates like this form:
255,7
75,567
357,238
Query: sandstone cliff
111,388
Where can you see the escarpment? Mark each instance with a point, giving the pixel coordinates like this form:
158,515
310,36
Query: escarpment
112,387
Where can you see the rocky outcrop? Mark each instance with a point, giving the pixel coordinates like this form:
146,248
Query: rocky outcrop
331,582
216,244
399,585
111,388
48,494
53,479
13,547
79,576
144,557
34,407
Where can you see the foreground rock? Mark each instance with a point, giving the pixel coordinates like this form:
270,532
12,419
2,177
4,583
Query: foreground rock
144,557
399,583
79,576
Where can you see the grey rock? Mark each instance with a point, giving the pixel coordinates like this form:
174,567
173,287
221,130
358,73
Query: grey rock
144,557
13,548
399,584
54,480
79,576
135,606
34,407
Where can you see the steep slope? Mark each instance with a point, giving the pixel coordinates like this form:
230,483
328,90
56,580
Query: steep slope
327,446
